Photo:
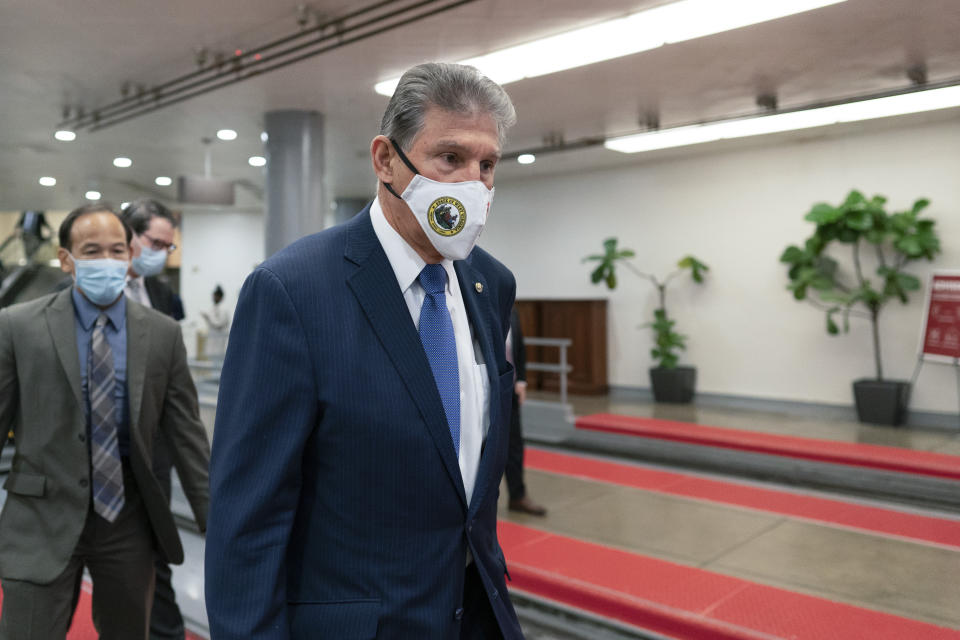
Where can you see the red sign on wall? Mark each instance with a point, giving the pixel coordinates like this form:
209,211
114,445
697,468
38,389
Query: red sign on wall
941,334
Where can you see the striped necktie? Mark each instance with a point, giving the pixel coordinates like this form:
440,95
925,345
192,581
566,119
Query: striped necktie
440,344
104,446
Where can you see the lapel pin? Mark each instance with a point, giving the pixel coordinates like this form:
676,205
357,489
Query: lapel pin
479,286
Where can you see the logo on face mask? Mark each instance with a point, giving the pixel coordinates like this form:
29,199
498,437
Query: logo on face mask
447,216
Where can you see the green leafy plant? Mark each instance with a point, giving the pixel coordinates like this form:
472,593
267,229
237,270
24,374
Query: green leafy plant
666,341
865,226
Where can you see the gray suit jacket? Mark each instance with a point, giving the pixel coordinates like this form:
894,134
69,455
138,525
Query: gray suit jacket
41,400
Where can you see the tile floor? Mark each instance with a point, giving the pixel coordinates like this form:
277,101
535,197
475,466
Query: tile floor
906,578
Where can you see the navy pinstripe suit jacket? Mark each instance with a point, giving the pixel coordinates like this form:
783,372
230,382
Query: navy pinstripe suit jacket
337,506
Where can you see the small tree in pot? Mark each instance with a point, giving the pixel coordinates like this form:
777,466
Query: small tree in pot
670,383
891,241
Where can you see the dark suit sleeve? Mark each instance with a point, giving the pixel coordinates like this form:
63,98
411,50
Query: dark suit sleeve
266,411
162,298
185,433
9,386
519,348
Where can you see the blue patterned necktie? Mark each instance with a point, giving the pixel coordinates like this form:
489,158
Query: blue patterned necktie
436,334
104,447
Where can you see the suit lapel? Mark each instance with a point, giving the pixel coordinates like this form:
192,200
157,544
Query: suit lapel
475,300
375,286
138,349
63,330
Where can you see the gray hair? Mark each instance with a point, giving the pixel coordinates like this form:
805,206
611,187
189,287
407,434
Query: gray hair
452,87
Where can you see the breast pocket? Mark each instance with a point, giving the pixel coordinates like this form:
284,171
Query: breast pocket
346,620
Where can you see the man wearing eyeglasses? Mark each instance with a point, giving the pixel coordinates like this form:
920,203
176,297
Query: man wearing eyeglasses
153,226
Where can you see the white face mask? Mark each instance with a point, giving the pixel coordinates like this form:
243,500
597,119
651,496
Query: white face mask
451,214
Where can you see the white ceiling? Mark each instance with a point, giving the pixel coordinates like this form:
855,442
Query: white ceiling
59,53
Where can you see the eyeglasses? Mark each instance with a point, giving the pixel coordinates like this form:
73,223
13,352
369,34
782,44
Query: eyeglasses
159,245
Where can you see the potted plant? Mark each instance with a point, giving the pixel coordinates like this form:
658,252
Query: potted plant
670,382
889,242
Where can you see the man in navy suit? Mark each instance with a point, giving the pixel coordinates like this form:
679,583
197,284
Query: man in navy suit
364,411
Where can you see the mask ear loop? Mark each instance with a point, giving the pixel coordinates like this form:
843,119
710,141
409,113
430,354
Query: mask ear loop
406,161
74,274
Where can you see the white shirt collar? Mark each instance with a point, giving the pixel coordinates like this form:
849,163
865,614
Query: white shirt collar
406,262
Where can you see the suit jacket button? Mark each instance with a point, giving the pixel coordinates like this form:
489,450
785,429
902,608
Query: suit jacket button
83,482
83,437
494,594
458,614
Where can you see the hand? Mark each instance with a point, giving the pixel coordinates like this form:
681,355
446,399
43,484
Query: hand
520,388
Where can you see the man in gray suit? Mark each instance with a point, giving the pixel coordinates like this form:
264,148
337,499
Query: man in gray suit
87,378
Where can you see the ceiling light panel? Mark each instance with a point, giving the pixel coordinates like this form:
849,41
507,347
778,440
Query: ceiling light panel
916,102
642,31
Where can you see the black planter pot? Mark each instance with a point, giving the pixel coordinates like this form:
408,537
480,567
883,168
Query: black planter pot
882,401
673,385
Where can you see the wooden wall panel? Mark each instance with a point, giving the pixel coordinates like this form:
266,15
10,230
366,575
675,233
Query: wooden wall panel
582,321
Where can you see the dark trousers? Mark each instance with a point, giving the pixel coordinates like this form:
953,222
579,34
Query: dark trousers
119,556
166,622
479,621
514,468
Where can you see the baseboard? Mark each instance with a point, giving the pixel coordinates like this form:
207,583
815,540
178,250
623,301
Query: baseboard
917,419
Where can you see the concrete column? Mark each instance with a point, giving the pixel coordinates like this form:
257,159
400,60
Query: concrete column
295,204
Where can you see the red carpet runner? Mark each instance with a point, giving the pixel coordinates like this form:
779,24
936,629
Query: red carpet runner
850,453
685,602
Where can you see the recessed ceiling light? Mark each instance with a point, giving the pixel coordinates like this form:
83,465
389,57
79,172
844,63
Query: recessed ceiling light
227,134
47,181
257,161
163,181
65,135
264,137
641,31
122,162
915,102
92,195
526,158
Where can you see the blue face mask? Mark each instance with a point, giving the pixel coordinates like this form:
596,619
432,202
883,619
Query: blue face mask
150,262
101,281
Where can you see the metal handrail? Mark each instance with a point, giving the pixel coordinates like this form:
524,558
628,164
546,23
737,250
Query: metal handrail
563,368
